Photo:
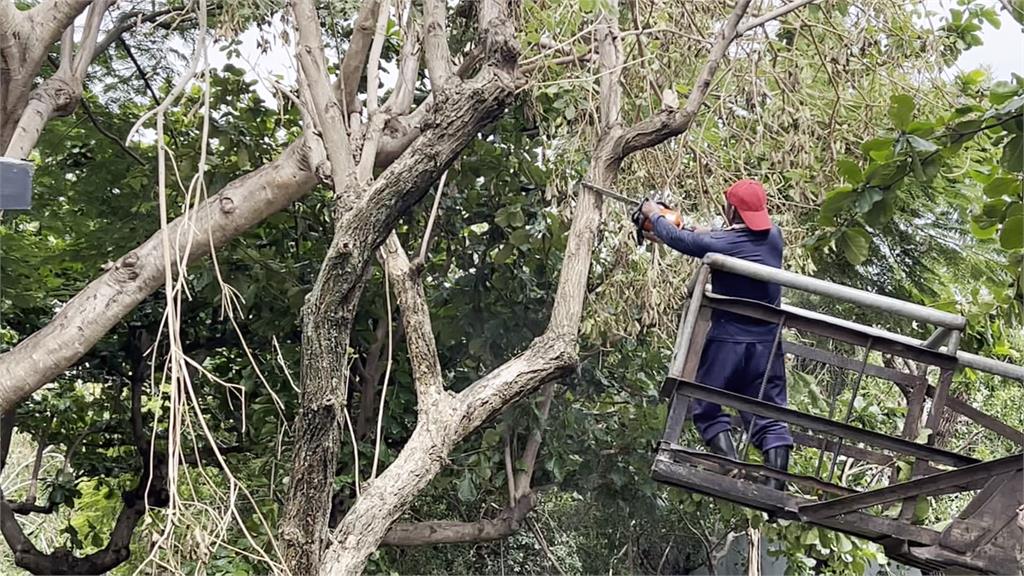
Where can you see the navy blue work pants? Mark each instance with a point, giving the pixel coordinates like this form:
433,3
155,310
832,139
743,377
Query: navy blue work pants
739,367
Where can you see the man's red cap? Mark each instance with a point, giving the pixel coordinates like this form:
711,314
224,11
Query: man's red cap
749,199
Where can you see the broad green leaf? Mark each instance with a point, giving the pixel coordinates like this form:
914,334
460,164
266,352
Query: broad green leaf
884,175
1003,186
520,238
838,199
809,537
1013,154
974,77
850,172
901,109
504,254
920,145
1011,237
881,212
878,148
1001,92
984,233
867,198
587,6
467,490
855,243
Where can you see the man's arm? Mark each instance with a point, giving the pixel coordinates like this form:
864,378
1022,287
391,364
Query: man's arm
691,243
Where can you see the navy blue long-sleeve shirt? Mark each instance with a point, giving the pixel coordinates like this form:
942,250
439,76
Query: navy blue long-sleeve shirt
760,247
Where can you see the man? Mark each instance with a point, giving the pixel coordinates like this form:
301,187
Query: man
738,348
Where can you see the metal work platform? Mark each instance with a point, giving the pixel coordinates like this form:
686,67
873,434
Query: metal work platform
985,537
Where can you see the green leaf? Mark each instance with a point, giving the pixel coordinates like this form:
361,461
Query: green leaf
901,109
878,148
884,175
843,543
850,172
1011,237
1013,155
504,254
867,198
855,243
809,537
1003,186
974,77
466,490
520,238
491,437
1001,92
920,145
881,212
587,6
983,233
834,203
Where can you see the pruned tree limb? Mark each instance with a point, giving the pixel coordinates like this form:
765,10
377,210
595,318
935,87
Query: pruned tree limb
419,333
435,44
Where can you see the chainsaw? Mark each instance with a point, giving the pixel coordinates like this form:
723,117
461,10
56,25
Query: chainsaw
644,227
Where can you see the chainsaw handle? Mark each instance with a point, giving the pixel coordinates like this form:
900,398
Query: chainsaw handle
645,226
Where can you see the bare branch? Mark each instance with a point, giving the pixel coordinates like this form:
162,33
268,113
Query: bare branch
669,123
773,15
87,46
99,128
400,101
421,260
507,523
435,43
532,449
128,21
510,473
33,484
354,63
6,434
328,114
544,546
377,117
419,334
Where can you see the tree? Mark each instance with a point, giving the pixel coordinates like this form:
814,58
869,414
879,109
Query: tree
377,167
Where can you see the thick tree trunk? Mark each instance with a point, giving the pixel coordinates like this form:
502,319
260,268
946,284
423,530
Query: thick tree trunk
461,112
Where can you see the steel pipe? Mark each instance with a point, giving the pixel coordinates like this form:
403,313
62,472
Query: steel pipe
816,286
965,359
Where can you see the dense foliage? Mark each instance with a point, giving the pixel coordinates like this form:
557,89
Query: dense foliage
884,175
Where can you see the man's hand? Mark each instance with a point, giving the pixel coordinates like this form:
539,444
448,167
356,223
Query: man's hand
650,209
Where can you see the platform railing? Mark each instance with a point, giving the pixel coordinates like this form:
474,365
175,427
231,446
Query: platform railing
934,470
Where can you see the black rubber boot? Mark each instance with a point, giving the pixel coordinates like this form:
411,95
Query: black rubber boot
722,445
778,459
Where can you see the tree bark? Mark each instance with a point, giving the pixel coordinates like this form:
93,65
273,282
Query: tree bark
464,108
